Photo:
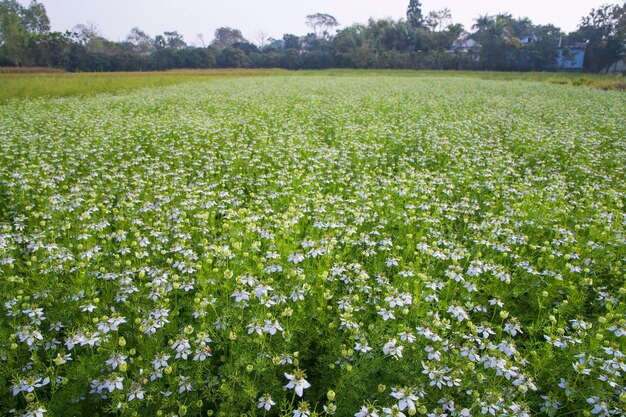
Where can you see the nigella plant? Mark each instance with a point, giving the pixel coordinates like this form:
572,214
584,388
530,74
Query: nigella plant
315,246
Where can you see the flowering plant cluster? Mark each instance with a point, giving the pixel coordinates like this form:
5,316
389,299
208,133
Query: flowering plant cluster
311,246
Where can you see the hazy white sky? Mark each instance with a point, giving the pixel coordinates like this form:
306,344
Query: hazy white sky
115,18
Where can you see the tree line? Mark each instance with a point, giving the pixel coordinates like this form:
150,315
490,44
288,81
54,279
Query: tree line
420,41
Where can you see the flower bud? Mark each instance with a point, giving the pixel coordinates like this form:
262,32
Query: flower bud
330,395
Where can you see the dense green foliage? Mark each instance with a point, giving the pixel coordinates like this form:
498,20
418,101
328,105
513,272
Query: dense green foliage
604,31
400,245
422,41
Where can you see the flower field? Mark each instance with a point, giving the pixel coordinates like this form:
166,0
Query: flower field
315,245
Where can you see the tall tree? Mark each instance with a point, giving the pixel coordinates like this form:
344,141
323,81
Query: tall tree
499,50
36,19
12,34
48,49
141,41
174,40
200,38
604,31
226,36
86,33
262,38
438,19
542,54
414,14
89,36
321,24
482,23
17,25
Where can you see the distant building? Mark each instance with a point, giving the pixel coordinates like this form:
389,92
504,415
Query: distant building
464,46
571,58
528,39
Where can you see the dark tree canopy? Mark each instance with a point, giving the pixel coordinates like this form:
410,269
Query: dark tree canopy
291,41
604,32
17,25
424,40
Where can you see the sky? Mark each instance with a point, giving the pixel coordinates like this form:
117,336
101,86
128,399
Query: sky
273,18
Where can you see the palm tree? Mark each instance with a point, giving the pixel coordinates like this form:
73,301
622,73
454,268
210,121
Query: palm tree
483,23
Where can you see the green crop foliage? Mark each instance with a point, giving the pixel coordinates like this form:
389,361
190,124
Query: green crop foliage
27,84
61,84
303,244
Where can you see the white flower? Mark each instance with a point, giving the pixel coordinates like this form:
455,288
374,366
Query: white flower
272,327
302,410
184,384
367,412
182,347
29,384
266,402
240,295
386,314
407,336
296,258
362,346
390,348
202,352
135,392
393,412
297,382
391,262
34,410
29,335
330,409
160,361
115,382
116,360
458,312
406,398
